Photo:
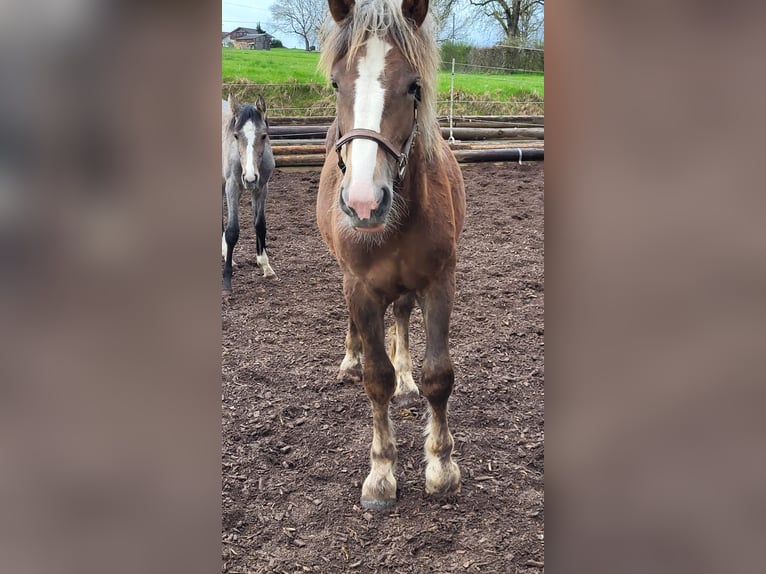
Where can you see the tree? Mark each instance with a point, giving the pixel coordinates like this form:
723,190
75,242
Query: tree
301,17
518,19
458,22
442,11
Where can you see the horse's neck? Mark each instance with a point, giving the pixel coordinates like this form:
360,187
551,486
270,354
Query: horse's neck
415,184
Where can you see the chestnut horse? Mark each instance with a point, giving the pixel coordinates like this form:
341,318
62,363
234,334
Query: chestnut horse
390,208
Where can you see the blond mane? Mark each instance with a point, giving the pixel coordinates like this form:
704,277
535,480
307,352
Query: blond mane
384,18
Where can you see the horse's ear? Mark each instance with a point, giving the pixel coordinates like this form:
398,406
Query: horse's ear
340,9
415,10
260,105
233,105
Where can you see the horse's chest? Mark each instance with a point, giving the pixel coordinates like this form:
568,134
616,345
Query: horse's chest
394,273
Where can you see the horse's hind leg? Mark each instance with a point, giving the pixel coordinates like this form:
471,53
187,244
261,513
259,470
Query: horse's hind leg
351,366
437,380
231,233
406,393
259,224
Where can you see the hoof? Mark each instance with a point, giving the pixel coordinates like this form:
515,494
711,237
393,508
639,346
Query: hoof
406,400
351,375
269,272
379,491
442,479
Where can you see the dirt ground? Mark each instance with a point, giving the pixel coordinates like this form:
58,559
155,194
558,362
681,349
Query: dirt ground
296,442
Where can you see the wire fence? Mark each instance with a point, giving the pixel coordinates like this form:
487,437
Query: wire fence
490,90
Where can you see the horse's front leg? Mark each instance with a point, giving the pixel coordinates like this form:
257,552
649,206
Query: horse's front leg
367,311
437,380
259,224
231,233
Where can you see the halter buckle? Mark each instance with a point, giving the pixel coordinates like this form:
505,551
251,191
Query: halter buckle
402,164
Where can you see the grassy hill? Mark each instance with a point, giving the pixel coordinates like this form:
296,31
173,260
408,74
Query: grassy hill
292,85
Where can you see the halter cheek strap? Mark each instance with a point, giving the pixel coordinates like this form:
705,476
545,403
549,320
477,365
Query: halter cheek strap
400,156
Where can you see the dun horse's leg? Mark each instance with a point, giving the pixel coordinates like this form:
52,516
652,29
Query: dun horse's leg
223,230
406,392
259,224
438,378
379,488
231,234
223,215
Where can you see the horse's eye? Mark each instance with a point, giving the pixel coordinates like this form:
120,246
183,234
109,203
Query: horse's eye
263,137
414,90
236,136
335,85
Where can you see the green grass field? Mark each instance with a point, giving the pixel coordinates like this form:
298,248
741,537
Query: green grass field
303,90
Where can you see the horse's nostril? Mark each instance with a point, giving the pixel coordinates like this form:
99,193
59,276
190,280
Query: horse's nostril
343,205
384,202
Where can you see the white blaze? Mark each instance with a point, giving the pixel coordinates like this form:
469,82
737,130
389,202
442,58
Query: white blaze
368,113
249,129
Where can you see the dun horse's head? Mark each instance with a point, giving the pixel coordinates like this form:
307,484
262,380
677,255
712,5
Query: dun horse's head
248,124
378,89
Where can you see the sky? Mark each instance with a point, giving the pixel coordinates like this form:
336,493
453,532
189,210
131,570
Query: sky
249,13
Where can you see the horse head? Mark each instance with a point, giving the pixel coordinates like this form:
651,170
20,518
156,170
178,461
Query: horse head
378,91
251,131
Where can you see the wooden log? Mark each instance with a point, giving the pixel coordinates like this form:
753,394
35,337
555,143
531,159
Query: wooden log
309,131
463,156
319,132
305,147
299,160
458,123
509,154
295,142
299,149
495,145
490,133
488,124
464,121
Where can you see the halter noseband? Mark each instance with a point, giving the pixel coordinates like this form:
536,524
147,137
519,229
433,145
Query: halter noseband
388,146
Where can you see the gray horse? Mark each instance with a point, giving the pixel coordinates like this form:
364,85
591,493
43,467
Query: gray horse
247,165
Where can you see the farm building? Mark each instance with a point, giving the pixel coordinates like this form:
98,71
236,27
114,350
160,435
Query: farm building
247,38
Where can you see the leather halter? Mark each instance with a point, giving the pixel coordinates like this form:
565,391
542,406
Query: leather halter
400,156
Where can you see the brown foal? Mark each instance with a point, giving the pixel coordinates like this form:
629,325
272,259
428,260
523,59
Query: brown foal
390,208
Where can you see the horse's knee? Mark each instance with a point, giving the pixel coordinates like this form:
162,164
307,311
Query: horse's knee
379,381
232,235
437,380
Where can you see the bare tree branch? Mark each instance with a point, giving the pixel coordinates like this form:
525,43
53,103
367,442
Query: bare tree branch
300,17
519,19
